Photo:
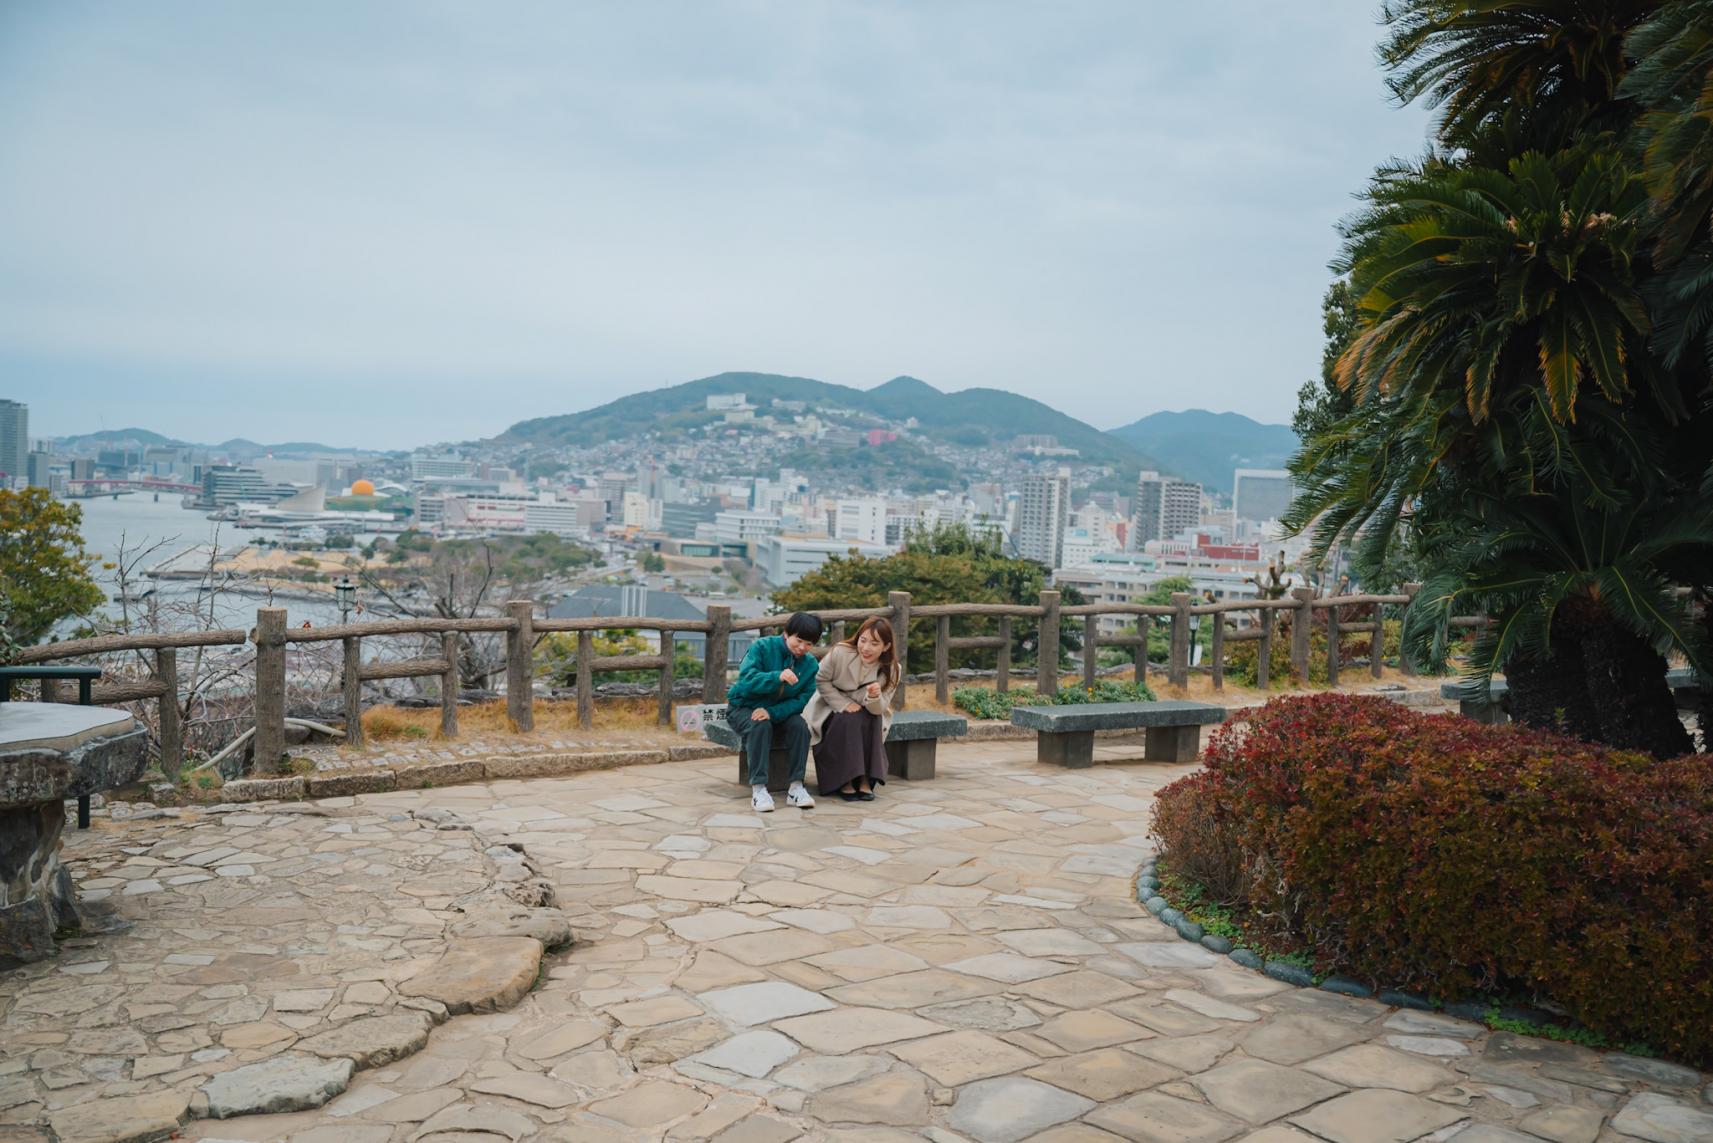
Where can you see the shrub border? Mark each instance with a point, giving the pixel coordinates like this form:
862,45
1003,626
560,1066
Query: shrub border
1148,893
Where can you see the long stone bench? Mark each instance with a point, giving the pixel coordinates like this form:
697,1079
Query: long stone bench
910,745
1065,734
1685,689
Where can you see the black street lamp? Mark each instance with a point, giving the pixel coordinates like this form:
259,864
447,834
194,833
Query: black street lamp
345,592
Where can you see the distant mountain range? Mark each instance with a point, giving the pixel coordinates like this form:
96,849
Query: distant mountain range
972,417
237,448
1206,447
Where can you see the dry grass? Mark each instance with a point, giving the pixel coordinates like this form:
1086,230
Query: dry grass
488,719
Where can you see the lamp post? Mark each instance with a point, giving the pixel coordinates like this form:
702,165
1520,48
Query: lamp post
345,592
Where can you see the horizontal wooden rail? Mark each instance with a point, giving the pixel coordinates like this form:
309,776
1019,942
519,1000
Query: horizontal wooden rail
1241,605
976,643
935,610
103,693
106,644
1359,600
380,627
1118,609
624,623
402,669
604,663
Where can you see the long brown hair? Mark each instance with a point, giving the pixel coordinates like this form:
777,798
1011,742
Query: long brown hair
888,661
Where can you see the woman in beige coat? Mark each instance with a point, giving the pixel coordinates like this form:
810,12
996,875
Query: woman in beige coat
851,710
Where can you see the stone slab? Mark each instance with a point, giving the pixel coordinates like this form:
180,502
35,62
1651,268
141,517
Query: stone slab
1116,716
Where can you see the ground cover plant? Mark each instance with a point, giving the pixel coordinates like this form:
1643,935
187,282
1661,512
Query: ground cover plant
1436,854
984,702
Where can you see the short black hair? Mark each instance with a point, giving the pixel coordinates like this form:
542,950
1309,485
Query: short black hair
805,626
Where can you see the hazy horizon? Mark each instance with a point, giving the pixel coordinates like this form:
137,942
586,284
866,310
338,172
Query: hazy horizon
407,223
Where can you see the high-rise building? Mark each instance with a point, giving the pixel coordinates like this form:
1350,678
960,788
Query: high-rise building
1165,506
14,441
1260,494
1042,510
36,468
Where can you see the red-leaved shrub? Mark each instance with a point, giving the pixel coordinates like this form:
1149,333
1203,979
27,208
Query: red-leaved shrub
1435,853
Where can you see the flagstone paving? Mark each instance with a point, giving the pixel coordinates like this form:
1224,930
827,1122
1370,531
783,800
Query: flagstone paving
961,959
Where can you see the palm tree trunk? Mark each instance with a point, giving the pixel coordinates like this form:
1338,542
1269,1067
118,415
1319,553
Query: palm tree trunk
1601,684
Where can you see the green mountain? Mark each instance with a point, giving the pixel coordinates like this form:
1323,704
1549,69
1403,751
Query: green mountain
1206,447
972,417
120,438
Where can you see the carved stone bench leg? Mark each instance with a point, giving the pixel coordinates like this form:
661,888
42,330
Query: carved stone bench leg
778,770
913,761
1172,743
1073,750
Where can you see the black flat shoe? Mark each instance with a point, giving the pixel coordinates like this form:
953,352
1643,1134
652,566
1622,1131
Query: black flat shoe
866,796
851,797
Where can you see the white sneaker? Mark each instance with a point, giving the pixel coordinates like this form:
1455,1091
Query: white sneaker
798,795
760,800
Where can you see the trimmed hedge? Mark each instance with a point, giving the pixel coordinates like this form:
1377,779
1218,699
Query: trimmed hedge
1434,853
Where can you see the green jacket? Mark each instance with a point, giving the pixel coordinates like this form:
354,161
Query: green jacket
758,683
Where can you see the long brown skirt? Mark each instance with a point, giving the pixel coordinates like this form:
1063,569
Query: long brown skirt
852,746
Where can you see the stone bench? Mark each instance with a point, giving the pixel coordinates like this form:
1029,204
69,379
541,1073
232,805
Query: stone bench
911,744
1685,690
1065,734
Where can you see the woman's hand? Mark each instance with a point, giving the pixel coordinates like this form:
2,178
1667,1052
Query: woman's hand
874,690
760,715
788,677
853,708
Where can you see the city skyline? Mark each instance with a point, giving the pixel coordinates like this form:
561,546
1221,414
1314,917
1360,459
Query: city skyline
314,217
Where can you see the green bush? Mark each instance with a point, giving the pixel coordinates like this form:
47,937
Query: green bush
986,703
1434,853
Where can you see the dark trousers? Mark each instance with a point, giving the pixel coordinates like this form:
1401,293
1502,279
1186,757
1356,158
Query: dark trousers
758,739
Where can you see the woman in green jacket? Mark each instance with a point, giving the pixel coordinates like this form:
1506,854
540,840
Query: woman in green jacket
766,704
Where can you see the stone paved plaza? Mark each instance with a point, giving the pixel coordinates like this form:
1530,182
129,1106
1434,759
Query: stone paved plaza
961,959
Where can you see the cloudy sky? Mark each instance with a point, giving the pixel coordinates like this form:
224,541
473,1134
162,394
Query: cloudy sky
386,224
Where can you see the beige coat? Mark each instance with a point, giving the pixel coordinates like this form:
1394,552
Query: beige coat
842,680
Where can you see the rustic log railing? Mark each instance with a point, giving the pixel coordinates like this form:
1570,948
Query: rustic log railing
521,628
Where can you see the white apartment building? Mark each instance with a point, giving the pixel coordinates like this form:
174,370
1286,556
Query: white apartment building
439,467
744,527
642,512
1042,511
1165,507
783,560
514,512
863,520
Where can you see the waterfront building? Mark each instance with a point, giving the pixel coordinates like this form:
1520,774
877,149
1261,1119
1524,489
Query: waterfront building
783,560
426,467
744,527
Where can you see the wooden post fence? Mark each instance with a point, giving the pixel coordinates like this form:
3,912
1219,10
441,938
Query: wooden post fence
585,678
1301,622
1217,649
942,659
1264,664
520,665
1047,646
899,601
1406,665
172,728
1332,637
269,743
449,685
1002,676
1178,664
352,685
716,653
667,650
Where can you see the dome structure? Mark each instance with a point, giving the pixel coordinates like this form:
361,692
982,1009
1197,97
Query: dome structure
363,488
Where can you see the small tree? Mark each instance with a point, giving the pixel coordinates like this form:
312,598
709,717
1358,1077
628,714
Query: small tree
44,567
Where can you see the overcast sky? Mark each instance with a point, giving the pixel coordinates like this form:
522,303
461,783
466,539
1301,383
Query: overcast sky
388,224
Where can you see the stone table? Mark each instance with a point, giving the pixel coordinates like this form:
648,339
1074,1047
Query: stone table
50,752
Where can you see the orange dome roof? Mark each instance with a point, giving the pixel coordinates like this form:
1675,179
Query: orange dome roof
363,488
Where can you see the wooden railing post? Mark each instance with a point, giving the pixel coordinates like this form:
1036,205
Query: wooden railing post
899,601
1332,634
520,665
942,659
585,679
1405,664
667,649
1091,650
1216,648
449,685
353,688
715,654
269,743
1377,645
1264,665
1178,665
1002,676
1301,621
172,728
1047,647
